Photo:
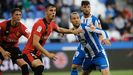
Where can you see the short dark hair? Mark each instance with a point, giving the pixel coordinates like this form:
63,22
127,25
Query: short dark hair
85,2
15,9
49,5
73,14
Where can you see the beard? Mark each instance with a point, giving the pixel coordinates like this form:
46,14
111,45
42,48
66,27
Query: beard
86,14
77,25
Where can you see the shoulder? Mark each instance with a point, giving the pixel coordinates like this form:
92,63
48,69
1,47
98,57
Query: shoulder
3,23
21,24
39,22
81,15
38,26
94,17
53,23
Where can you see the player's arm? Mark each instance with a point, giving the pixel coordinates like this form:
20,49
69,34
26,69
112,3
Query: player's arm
103,37
37,45
25,31
4,53
104,34
68,31
27,34
62,34
92,28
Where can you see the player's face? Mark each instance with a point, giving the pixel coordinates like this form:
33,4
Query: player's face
51,12
75,20
16,16
86,9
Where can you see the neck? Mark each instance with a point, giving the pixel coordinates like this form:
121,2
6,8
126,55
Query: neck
13,23
86,16
75,27
47,19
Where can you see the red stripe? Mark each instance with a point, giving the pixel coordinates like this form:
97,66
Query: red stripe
30,58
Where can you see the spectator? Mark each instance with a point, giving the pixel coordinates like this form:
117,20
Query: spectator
119,23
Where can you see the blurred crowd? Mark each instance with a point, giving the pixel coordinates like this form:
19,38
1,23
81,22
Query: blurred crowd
117,22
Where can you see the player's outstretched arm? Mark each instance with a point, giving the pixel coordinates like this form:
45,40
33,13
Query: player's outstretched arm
68,31
103,37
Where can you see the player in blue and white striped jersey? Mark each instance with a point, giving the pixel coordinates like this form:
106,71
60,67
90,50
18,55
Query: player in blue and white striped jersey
90,48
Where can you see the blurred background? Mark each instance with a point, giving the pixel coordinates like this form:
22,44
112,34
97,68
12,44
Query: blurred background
116,17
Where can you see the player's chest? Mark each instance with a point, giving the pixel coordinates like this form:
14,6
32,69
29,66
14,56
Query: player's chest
86,21
47,32
14,32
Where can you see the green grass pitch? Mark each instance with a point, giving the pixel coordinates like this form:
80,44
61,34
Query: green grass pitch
114,72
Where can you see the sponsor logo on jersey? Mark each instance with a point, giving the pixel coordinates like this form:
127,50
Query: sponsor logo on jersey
39,29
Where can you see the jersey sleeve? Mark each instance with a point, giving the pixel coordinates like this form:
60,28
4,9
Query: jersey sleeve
25,31
103,32
98,31
2,28
54,26
2,25
97,22
38,29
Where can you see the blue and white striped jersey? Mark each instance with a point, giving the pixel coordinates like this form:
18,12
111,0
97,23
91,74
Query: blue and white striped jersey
89,40
90,19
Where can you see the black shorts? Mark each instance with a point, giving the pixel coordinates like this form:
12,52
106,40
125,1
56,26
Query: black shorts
15,53
31,57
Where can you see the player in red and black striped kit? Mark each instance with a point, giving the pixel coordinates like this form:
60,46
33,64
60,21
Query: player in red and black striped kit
40,33
10,32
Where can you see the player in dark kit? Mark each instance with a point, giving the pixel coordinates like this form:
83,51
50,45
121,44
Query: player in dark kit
10,32
40,33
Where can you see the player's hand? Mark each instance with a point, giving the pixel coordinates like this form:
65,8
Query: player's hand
6,54
61,34
52,56
106,42
77,31
92,27
100,37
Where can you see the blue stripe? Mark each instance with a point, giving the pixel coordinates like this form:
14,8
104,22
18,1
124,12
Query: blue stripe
89,40
106,34
93,19
94,34
97,41
79,47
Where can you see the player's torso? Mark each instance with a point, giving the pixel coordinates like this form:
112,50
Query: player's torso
13,36
45,33
89,40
